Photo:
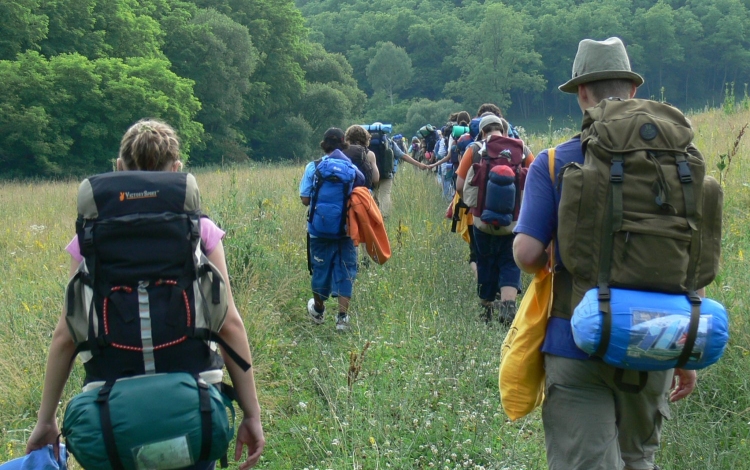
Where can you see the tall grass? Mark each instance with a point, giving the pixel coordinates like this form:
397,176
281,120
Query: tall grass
415,383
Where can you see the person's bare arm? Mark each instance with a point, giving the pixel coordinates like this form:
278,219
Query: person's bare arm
529,253
59,365
374,166
417,164
250,432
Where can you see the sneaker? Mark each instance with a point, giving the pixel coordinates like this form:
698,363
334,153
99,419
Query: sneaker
317,317
507,312
342,322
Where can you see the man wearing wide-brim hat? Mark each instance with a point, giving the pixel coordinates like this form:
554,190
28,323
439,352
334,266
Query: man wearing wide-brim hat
589,423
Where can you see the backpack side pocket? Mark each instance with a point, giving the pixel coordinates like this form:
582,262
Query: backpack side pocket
79,298
579,220
708,262
211,297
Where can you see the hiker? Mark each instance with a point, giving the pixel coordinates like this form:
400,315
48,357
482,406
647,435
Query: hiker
449,158
382,191
152,147
415,149
359,139
399,155
430,139
589,422
495,206
325,188
400,141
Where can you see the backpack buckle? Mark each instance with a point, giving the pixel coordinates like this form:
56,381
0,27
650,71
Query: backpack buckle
88,236
683,171
616,173
604,295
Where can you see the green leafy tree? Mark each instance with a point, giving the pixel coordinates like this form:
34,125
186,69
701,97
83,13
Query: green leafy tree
98,29
67,114
323,106
217,53
334,70
656,31
379,109
72,28
429,112
302,146
21,27
278,33
389,69
496,58
129,30
30,135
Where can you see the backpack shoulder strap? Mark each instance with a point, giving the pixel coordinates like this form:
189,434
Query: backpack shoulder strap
551,164
476,149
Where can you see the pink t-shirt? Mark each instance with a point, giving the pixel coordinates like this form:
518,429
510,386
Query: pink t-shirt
210,234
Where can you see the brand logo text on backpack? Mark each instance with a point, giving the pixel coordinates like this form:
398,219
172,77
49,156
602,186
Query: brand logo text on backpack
125,195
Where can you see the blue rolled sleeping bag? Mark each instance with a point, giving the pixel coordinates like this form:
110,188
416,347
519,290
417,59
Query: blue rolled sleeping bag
650,328
378,127
500,197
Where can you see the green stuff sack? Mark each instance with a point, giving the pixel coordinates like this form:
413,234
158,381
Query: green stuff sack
640,212
156,422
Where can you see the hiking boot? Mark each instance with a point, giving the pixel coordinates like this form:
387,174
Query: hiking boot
342,322
317,317
486,315
507,312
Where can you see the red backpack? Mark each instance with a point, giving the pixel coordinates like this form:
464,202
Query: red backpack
497,150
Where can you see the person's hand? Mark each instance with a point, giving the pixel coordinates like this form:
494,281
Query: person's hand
43,434
683,384
250,434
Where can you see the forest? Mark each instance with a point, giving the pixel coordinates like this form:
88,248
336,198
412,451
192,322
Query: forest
262,79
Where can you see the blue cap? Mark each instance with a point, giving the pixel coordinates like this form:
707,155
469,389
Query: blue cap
40,459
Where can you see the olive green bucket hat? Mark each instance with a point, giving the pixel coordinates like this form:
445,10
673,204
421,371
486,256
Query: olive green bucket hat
600,60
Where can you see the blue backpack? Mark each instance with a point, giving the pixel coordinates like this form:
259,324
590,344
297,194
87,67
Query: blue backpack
333,184
474,127
459,147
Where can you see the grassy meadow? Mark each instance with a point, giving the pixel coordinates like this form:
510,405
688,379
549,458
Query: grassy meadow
414,385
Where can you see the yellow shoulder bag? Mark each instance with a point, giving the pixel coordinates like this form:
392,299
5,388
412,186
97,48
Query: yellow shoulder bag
521,377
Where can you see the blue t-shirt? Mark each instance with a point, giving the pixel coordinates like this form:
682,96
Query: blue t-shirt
538,219
308,177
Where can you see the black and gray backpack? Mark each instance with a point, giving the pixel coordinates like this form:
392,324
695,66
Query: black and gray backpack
145,299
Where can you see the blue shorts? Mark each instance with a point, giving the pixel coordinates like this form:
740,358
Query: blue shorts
496,267
334,266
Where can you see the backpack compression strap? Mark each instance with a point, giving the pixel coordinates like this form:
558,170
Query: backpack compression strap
316,186
108,433
612,223
347,188
686,180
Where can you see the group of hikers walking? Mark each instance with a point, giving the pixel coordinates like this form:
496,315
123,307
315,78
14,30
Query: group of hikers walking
149,307
599,412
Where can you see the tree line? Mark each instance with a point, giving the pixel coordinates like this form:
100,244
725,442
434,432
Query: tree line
262,79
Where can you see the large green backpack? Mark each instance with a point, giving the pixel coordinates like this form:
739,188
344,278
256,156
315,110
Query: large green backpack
640,213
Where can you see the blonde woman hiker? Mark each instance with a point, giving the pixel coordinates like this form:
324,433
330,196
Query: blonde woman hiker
130,262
